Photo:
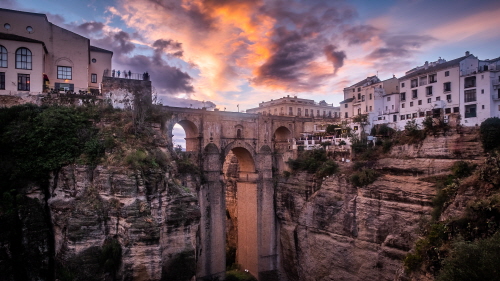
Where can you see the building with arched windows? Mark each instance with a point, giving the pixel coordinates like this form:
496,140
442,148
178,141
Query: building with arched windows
36,56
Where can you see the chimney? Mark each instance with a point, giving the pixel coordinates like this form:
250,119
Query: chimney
467,53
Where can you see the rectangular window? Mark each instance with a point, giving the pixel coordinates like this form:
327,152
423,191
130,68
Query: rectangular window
446,73
423,80
359,89
93,78
394,118
2,80
370,108
23,82
432,78
408,116
470,111
447,110
419,102
470,82
438,98
290,111
414,115
346,115
363,98
370,96
448,98
317,112
64,72
482,106
470,95
447,86
456,109
388,98
428,113
428,91
403,117
402,85
307,112
299,111
345,105
359,96
429,100
414,83
421,114
403,96
414,94
411,104
402,105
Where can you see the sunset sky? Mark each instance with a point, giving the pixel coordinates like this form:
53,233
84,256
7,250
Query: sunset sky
229,52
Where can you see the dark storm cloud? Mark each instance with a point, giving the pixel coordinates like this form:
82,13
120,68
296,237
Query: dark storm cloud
301,36
359,34
335,57
400,46
170,47
167,79
289,58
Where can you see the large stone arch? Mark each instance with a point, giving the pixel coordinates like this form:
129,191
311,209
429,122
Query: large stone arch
246,205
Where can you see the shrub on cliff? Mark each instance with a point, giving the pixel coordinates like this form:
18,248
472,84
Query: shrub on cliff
478,260
37,140
363,177
314,161
490,133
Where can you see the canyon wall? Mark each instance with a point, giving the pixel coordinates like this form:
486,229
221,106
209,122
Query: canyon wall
336,231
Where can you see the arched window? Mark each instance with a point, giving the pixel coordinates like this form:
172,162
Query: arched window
23,58
3,56
238,133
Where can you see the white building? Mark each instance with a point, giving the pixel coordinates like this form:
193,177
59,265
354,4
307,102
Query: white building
480,90
36,55
373,97
462,87
293,106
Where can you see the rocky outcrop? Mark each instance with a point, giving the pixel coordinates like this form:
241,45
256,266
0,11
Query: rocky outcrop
151,219
341,232
451,146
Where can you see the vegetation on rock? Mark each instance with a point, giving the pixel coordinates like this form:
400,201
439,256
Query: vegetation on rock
490,133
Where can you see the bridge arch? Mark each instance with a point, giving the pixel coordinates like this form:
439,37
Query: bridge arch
282,133
191,131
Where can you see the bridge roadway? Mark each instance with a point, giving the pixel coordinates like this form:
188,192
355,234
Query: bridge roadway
260,143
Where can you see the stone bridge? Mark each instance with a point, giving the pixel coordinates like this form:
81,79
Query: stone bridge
260,144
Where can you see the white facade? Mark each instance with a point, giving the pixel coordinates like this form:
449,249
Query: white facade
46,55
479,92
465,89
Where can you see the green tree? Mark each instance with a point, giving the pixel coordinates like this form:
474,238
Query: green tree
490,133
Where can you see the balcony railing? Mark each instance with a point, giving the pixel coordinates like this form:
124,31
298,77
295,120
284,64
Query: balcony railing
125,75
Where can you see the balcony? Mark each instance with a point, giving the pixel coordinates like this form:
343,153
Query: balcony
495,97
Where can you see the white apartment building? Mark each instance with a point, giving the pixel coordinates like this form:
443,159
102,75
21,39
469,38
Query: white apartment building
36,55
480,90
373,97
462,87
429,90
293,106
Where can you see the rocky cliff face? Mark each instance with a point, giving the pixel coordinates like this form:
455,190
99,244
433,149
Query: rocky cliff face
151,219
336,231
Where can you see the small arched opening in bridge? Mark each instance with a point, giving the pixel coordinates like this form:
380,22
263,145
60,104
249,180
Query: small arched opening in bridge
185,133
241,209
282,134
